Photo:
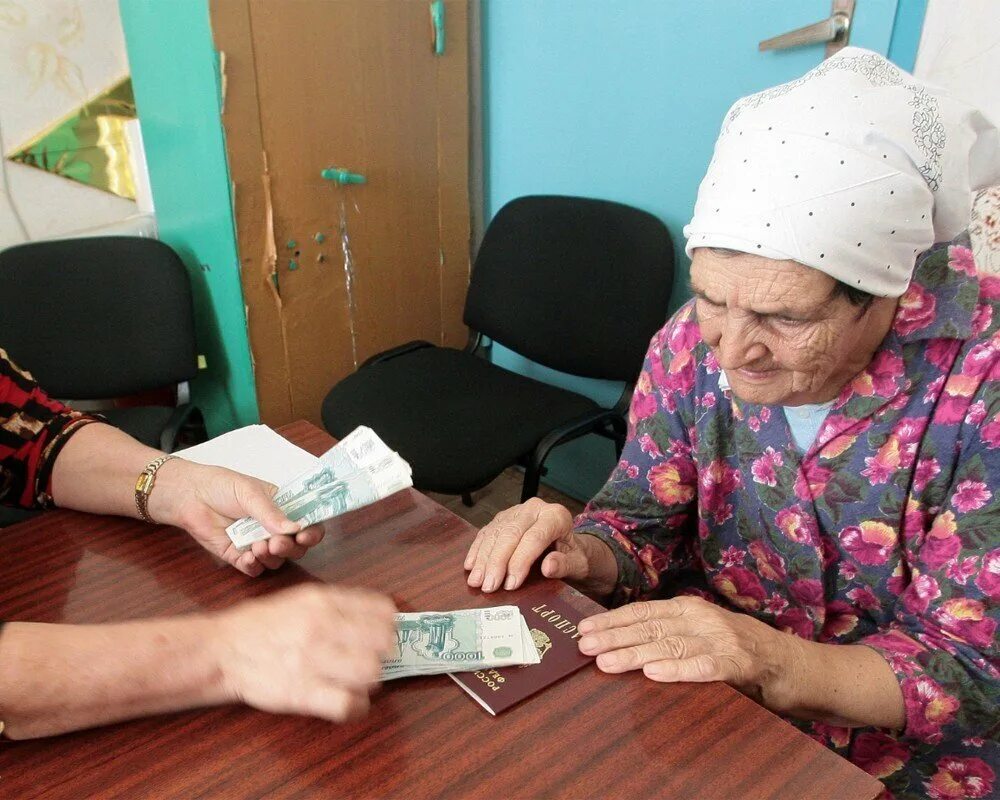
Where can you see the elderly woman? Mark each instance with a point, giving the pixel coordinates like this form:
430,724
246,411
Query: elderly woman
814,447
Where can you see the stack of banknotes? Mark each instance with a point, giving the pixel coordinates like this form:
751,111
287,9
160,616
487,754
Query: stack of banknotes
434,642
355,472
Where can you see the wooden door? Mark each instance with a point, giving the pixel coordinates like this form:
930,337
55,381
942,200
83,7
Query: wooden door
333,274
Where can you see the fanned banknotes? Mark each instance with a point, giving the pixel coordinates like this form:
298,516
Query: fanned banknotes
435,642
359,470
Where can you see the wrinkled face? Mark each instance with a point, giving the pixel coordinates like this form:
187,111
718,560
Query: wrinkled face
777,330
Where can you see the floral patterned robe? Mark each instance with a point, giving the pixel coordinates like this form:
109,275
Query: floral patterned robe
886,532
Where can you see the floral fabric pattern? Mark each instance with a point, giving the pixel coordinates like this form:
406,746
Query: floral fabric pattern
886,532
985,230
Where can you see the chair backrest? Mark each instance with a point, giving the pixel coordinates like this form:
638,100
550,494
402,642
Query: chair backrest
98,317
575,284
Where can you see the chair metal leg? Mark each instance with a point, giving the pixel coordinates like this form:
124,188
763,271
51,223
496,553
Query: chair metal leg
467,499
536,462
532,475
620,430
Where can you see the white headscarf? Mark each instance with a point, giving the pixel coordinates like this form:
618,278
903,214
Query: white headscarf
853,169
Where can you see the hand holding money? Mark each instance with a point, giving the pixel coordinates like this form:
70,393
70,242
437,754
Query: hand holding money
357,471
203,500
431,642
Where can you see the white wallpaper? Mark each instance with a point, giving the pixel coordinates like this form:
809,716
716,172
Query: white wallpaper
54,55
960,52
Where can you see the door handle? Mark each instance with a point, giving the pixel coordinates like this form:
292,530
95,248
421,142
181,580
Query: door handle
835,31
437,26
342,176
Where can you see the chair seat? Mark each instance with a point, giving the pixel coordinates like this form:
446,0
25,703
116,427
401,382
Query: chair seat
458,420
145,423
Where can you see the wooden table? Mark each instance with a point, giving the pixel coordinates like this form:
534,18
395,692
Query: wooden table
589,736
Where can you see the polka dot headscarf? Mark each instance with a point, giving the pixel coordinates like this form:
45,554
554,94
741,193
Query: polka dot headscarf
853,169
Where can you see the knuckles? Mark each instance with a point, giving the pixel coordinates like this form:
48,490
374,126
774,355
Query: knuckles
539,536
652,630
672,647
641,612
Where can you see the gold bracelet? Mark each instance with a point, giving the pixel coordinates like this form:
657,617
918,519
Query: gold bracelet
144,485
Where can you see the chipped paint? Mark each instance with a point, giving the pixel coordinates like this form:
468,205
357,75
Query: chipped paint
269,265
352,306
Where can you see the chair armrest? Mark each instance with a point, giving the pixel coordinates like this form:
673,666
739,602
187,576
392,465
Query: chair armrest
393,352
184,416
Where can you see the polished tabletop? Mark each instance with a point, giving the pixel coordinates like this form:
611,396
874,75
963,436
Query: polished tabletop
589,736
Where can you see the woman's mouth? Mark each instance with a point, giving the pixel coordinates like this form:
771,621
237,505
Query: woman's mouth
756,375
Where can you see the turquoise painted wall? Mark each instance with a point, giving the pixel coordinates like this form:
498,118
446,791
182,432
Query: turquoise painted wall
906,30
175,77
623,101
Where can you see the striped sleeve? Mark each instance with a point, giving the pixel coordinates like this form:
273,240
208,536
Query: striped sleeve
33,429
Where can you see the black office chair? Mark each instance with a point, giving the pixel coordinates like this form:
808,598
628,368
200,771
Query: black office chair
101,318
575,284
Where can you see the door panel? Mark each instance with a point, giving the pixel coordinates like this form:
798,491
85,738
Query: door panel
359,267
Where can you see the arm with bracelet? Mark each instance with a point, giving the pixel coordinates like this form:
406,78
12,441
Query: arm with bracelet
56,678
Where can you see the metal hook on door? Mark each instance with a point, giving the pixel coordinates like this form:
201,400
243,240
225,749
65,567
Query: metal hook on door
342,176
437,26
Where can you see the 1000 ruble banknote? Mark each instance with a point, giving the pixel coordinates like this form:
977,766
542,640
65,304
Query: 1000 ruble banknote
357,471
434,642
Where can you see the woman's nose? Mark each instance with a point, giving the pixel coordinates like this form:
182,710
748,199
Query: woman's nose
736,344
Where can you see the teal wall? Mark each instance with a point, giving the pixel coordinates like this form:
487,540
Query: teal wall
906,30
623,100
175,77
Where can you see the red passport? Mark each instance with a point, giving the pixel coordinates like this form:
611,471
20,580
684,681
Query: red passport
551,610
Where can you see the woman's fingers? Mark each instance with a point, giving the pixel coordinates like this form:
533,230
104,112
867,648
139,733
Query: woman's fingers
698,669
637,613
480,550
646,632
502,553
530,529
557,565
470,557
669,648
546,529
498,540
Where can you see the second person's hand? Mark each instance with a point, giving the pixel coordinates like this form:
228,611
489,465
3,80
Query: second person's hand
313,649
204,500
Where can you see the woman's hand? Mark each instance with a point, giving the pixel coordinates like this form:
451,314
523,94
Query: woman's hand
503,551
690,639
205,500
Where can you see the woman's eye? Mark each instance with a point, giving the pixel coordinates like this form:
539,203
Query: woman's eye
790,322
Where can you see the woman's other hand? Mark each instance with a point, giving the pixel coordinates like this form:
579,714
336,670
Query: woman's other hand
690,639
502,553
